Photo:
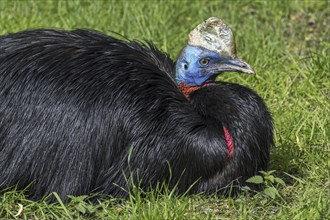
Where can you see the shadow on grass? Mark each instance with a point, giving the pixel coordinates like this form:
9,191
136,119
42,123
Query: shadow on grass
285,159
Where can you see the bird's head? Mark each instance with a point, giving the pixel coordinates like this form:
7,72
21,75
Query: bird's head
210,51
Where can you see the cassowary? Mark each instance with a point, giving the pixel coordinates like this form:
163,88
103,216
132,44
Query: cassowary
82,112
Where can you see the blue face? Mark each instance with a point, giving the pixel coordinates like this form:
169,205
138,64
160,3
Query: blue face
194,66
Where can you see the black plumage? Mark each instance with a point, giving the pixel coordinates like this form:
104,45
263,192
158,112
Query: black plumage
83,112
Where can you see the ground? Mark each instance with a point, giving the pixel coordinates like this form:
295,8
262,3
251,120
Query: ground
287,43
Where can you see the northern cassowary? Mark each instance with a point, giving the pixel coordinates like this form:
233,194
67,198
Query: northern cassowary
84,112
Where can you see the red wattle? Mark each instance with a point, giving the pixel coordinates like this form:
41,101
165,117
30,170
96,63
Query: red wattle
229,141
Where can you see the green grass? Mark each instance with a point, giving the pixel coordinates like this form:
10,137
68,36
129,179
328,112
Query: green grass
287,43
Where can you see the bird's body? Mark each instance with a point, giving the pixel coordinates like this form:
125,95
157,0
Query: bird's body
83,112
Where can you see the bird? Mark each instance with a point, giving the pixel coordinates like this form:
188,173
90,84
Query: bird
83,112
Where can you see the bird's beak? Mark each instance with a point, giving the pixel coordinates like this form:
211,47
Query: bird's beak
237,65
232,65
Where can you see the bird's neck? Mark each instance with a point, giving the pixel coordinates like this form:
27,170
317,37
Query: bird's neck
187,89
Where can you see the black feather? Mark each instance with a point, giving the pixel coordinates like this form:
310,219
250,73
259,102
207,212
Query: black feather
83,112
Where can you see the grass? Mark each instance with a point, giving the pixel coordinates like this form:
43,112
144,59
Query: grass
287,43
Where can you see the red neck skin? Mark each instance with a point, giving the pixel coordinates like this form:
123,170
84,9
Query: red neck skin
187,90
229,141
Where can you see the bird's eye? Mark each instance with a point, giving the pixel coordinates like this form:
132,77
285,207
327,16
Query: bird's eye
204,61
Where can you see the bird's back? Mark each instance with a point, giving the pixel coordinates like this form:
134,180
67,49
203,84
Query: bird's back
62,92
